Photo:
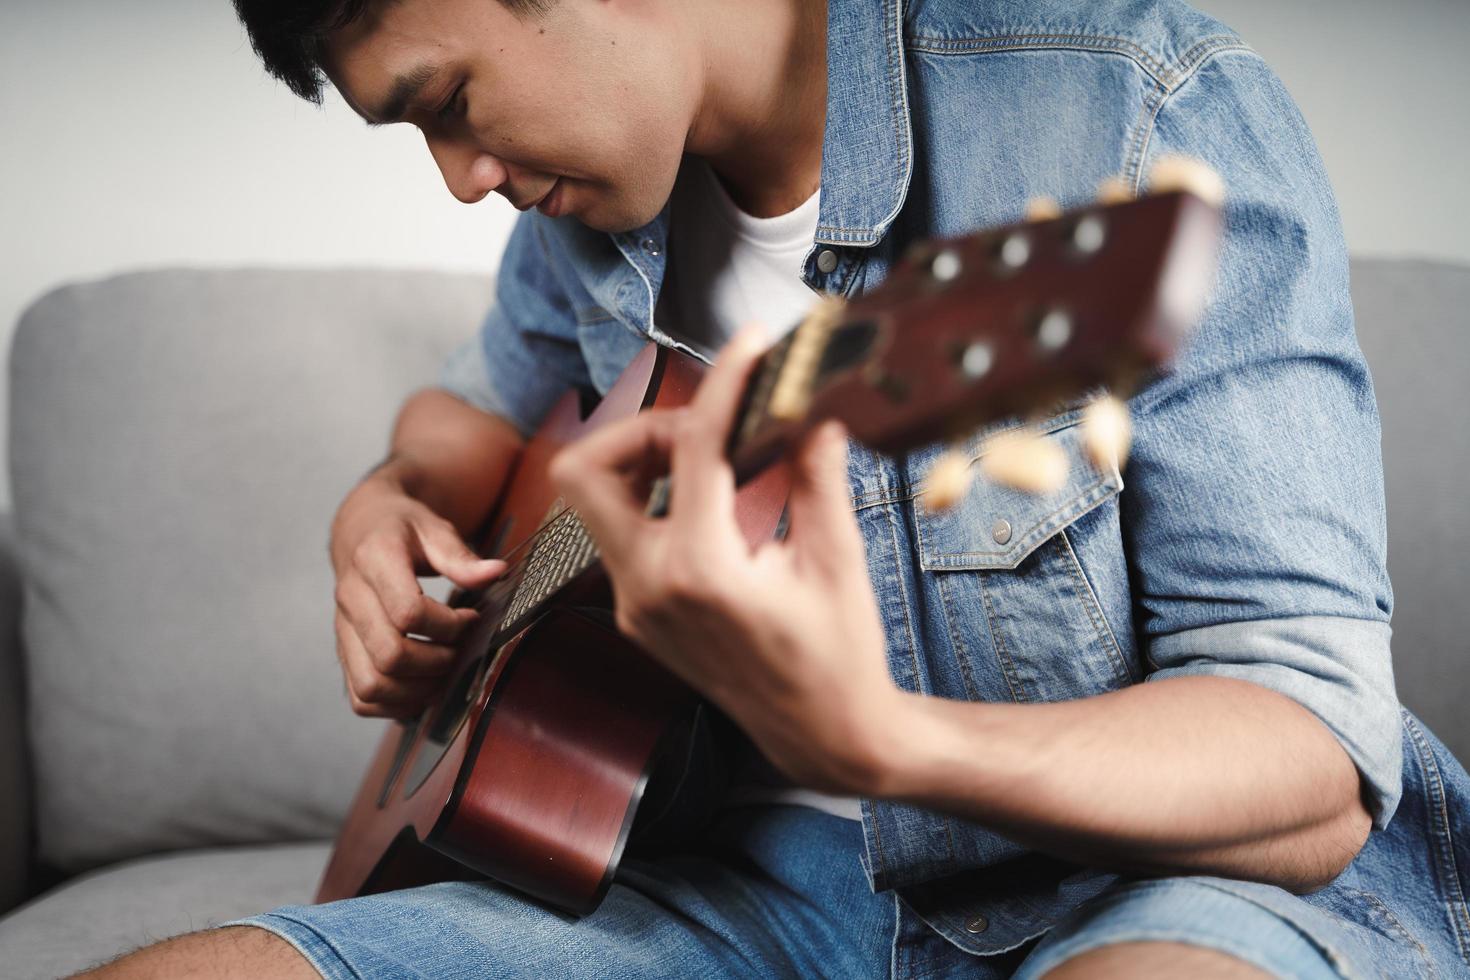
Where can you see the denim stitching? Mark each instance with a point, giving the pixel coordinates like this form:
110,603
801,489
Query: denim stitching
1112,897
891,495
1135,178
326,942
880,873
1162,74
908,624
930,44
1443,839
898,108
898,85
1168,80
1002,653
1207,47
893,954
1338,961
1393,923
1142,134
1095,613
1082,945
949,834
960,651
1039,532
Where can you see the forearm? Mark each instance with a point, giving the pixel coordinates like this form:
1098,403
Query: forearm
1199,775
451,456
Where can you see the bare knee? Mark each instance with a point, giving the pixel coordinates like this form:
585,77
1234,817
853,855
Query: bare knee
238,951
1150,960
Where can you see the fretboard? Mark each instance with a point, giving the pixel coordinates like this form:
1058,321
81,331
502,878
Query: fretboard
561,550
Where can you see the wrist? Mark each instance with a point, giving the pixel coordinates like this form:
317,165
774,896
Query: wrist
920,753
382,484
898,739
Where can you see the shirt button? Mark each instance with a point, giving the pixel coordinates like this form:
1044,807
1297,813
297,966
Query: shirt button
977,925
651,247
1001,531
826,260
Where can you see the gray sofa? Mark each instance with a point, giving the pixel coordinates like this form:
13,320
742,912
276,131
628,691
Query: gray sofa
174,744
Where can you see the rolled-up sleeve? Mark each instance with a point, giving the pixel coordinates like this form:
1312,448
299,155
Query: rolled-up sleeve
1254,514
526,354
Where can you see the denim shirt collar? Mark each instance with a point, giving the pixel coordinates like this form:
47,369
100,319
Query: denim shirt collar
867,161
867,147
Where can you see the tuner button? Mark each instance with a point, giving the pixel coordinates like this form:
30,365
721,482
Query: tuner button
1194,176
975,360
1013,252
1043,209
1053,330
945,266
948,480
1106,433
1088,234
1025,461
1113,190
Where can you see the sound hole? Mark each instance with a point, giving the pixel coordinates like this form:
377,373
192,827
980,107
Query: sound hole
448,718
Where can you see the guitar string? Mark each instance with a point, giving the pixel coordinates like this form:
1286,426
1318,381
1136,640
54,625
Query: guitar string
549,563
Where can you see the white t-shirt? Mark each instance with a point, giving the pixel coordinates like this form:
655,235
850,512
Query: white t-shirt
726,269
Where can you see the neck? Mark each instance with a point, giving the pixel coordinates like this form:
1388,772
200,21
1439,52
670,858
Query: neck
764,104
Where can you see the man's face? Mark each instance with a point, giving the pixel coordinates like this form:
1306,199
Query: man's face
592,99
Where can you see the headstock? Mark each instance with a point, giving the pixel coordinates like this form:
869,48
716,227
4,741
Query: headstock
1005,322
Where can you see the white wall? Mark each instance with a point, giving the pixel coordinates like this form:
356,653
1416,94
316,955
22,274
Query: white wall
1384,86
145,133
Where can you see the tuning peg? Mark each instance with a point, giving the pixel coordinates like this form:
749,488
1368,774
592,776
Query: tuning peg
1114,190
1107,432
1025,461
947,481
1043,209
1181,173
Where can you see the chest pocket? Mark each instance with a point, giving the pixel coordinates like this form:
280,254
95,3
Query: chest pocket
1024,619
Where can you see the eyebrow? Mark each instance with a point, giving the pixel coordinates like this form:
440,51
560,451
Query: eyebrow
406,88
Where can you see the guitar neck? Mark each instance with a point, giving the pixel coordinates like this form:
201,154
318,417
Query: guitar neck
965,331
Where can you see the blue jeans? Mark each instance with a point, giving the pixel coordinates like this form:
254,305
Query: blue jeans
779,891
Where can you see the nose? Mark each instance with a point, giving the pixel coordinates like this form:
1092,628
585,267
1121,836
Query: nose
469,172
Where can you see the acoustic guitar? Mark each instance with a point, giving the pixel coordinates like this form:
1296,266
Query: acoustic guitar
531,767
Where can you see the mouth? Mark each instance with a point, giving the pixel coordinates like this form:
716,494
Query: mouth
537,202
551,202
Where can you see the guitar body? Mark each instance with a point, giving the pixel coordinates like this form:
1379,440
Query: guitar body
533,764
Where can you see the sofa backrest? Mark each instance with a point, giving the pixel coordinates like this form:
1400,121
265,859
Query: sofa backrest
180,441
1413,321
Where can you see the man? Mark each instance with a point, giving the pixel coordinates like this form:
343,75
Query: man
976,780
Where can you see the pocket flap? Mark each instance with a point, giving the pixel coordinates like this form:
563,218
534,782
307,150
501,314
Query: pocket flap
996,527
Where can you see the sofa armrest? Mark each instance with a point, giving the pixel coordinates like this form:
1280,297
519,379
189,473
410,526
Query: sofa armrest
15,776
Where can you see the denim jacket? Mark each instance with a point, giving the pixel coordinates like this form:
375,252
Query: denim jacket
1246,536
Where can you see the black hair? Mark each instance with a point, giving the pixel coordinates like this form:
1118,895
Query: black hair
290,35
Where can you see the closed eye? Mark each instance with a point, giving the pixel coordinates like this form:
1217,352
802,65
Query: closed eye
452,107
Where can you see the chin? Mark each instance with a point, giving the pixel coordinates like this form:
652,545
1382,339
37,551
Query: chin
616,213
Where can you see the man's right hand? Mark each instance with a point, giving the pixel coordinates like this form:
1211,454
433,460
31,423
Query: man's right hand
395,643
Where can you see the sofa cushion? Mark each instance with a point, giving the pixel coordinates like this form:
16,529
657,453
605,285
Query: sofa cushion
180,441
117,909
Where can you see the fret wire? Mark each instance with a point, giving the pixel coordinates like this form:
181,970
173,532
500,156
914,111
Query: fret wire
562,550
